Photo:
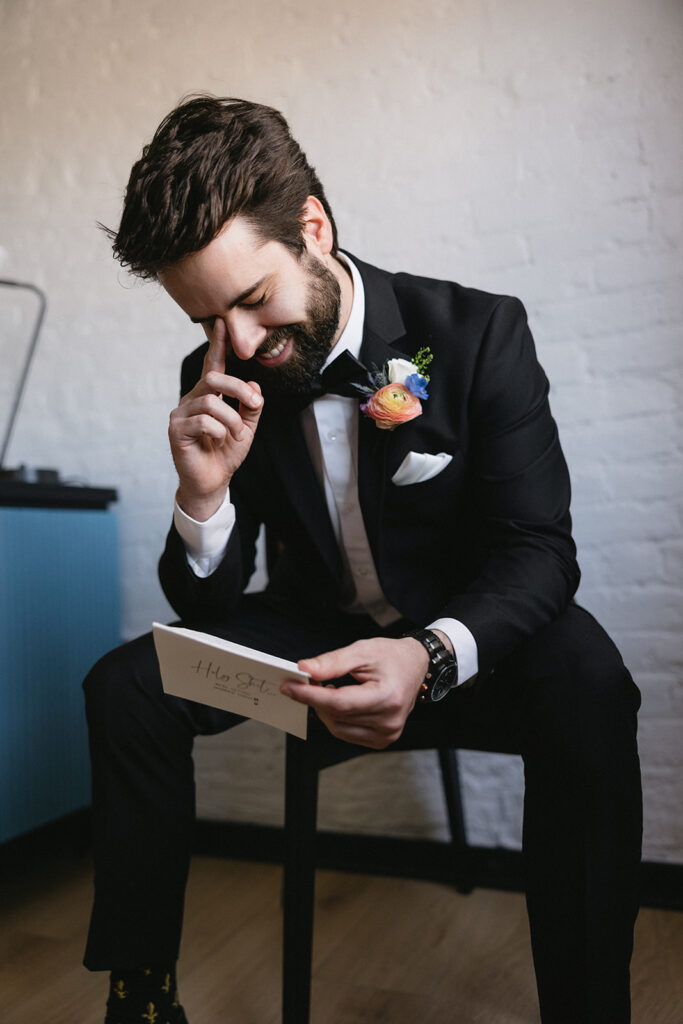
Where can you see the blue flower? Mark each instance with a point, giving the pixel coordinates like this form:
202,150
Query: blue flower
417,385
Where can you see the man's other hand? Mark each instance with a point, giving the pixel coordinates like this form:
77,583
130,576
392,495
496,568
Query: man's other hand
209,439
389,673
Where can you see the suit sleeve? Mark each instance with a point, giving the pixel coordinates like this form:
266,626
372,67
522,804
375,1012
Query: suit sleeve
527,571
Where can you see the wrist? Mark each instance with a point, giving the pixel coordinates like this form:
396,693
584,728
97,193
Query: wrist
419,658
441,675
200,508
418,654
445,640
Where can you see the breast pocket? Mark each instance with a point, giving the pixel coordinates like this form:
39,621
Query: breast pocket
435,500
416,472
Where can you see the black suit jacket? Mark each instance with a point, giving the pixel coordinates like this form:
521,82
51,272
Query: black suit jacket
487,541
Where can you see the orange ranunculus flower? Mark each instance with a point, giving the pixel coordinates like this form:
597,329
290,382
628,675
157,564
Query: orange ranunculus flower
391,405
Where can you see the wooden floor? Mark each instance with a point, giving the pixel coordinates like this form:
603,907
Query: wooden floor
387,951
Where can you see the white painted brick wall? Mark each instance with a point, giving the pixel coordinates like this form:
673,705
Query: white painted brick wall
532,148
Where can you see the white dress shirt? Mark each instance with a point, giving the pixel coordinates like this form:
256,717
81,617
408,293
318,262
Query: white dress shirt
330,427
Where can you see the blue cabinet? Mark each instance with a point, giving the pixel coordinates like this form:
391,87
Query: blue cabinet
59,612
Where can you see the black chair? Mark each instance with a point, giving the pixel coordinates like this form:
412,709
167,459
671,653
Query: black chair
305,759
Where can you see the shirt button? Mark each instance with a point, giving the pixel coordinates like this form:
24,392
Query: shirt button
347,509
362,571
332,435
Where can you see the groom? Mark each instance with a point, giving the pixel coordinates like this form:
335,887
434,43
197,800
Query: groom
394,435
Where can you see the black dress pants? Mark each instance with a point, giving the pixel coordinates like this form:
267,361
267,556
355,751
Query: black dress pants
564,701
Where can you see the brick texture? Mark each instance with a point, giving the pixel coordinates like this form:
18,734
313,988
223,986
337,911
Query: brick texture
524,148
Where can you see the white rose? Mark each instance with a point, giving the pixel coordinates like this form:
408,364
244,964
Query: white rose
399,369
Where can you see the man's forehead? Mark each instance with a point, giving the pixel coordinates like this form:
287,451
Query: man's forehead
232,266
237,243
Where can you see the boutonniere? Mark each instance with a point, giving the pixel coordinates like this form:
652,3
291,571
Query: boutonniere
399,390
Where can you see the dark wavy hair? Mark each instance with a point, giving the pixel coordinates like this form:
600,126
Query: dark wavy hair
211,159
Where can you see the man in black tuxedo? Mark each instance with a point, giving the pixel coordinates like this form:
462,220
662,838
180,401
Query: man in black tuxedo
423,543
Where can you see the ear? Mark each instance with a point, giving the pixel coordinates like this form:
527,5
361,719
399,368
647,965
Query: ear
316,227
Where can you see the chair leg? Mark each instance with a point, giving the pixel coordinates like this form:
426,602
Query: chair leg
462,867
301,805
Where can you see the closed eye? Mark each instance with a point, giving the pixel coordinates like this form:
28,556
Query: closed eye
210,321
253,305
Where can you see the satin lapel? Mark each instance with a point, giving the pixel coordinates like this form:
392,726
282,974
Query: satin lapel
373,446
285,441
382,336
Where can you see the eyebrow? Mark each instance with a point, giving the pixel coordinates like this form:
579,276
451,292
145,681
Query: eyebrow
235,302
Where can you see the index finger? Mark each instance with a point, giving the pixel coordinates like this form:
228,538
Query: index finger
347,700
217,351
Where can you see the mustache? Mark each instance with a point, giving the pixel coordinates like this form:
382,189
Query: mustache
277,335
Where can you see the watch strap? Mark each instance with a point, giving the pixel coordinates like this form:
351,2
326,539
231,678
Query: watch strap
439,658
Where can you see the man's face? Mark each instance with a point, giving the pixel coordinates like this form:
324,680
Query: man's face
281,312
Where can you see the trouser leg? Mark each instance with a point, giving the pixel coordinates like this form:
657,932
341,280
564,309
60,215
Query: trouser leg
582,818
143,807
143,781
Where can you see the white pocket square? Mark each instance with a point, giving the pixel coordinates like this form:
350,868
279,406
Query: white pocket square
418,467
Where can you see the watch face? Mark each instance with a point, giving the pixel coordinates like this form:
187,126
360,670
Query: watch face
444,682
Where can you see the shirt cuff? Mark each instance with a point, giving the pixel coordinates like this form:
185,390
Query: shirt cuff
464,645
205,543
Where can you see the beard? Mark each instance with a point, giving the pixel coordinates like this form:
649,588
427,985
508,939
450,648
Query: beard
311,338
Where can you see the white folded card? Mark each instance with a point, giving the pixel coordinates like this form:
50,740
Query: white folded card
418,467
224,675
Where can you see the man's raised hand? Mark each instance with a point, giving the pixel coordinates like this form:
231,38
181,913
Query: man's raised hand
209,439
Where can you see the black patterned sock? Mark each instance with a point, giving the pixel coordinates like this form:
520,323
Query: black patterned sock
144,995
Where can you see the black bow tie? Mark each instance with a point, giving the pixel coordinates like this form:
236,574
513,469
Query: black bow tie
339,378
342,376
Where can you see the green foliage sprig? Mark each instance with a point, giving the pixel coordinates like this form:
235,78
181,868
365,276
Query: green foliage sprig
422,359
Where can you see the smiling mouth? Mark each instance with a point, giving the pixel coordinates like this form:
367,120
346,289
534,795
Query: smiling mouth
276,354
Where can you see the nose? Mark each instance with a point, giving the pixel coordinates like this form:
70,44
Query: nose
245,335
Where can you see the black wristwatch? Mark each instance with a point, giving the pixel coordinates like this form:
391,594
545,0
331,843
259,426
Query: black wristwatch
442,674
